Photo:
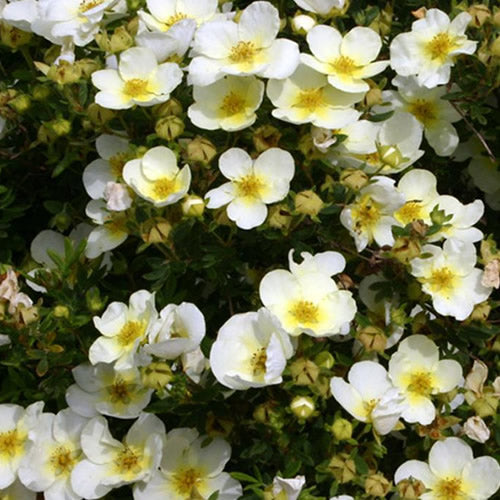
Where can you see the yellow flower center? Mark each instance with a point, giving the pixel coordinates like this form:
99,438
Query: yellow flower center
441,280
243,52
420,383
440,46
366,213
131,331
63,460
249,186
369,406
119,391
449,489
136,87
258,361
409,212
117,162
311,99
11,443
232,104
344,65
185,482
168,23
86,5
305,312
128,461
424,111
163,188
116,225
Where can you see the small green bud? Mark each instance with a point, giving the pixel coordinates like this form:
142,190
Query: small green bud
169,127
304,371
20,103
324,360
40,92
308,203
193,206
303,407
342,429
61,312
377,485
93,300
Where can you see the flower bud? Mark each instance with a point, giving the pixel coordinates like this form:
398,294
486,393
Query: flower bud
61,312
268,414
99,115
155,230
405,249
486,406
200,150
169,127
266,137
342,429
495,46
373,338
13,37
303,407
61,221
87,66
156,375
304,371
480,14
279,217
215,426
93,300
377,485
170,107
390,155
40,92
52,130
373,97
193,206
476,429
324,360
120,40
64,73
480,312
353,178
342,468
20,103
302,23
308,203
411,489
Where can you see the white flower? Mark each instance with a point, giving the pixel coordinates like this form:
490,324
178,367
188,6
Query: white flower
123,328
323,7
434,114
415,369
17,491
251,350
178,330
287,489
190,469
55,452
138,80
476,429
450,278
430,49
370,217
228,104
248,47
111,230
165,14
302,23
102,390
156,177
342,497
21,13
78,20
194,363
307,300
347,61
253,184
111,463
307,97
17,427
117,197
453,472
114,152
369,396
10,291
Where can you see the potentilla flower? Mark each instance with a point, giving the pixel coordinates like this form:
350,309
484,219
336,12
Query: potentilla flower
369,396
323,7
307,97
17,428
453,473
348,60
77,19
251,350
100,389
157,178
110,463
123,329
191,469
415,369
178,330
11,292
164,14
448,275
139,80
228,104
307,300
287,489
430,49
55,452
248,47
370,217
20,13
434,114
253,184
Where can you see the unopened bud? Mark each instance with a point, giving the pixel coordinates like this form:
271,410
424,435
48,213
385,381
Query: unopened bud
266,137
377,485
169,127
13,37
61,312
304,371
324,360
373,97
64,73
302,23
279,217
342,468
342,429
156,230
353,178
156,375
308,203
193,206
120,40
216,426
373,339
87,66
99,115
170,107
411,489
93,300
480,14
390,155
405,249
20,103
40,92
303,407
200,150
486,406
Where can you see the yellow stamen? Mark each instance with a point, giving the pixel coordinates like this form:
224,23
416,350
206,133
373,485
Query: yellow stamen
311,99
249,186
86,5
450,489
366,213
258,361
163,188
128,461
131,331
63,460
119,391
421,383
168,23
441,280
232,104
440,46
424,111
344,65
117,162
243,52
136,87
305,312
185,482
409,212
11,443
